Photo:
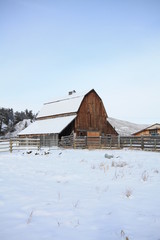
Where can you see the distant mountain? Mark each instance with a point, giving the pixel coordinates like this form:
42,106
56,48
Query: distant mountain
125,128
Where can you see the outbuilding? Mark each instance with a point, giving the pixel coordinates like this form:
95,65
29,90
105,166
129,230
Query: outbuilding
153,130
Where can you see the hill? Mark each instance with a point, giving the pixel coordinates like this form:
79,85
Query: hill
125,128
18,128
11,123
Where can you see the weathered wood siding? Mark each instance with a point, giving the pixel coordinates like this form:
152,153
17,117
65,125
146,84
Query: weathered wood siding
142,133
92,116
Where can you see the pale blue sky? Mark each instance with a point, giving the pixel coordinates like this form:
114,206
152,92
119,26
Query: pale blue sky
48,47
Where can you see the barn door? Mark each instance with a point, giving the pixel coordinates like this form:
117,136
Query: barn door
93,139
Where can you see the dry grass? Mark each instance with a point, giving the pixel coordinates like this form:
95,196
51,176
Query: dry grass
145,176
128,192
123,235
77,224
30,217
59,196
103,167
75,205
58,223
93,166
118,164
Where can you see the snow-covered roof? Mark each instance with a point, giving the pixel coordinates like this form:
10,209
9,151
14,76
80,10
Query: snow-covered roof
67,104
48,126
155,126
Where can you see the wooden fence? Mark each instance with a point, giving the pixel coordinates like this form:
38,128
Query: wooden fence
19,144
104,142
145,142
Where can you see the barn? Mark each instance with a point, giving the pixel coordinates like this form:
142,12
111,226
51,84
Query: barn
78,114
153,130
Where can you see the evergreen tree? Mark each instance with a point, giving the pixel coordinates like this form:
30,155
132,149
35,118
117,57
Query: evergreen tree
8,117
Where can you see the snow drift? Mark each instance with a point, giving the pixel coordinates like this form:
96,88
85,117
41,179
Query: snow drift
80,194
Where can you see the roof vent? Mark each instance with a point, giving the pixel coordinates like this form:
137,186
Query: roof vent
71,92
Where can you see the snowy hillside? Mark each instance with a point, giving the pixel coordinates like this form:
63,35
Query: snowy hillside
80,195
18,128
125,128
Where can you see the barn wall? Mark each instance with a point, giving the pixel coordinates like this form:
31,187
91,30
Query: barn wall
92,116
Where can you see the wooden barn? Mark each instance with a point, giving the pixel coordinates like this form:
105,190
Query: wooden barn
78,114
153,130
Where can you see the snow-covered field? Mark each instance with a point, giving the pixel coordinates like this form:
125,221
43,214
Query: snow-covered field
80,195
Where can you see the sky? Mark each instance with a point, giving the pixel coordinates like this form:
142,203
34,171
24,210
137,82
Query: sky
49,47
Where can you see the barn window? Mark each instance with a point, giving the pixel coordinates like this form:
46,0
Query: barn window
82,133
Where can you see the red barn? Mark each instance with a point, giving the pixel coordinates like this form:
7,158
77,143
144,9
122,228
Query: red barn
81,114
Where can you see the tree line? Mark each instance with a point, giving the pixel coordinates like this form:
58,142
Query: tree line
9,118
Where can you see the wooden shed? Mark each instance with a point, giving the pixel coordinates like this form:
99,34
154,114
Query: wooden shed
153,130
80,114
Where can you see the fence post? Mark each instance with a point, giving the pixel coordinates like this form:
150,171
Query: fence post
85,141
155,144
142,142
39,144
74,143
119,141
27,142
130,142
111,142
100,141
10,146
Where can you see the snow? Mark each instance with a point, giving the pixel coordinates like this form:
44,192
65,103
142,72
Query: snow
53,125
155,126
68,105
125,128
80,194
3,127
73,95
18,128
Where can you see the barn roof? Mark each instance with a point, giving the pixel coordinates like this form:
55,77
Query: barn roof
69,104
47,126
